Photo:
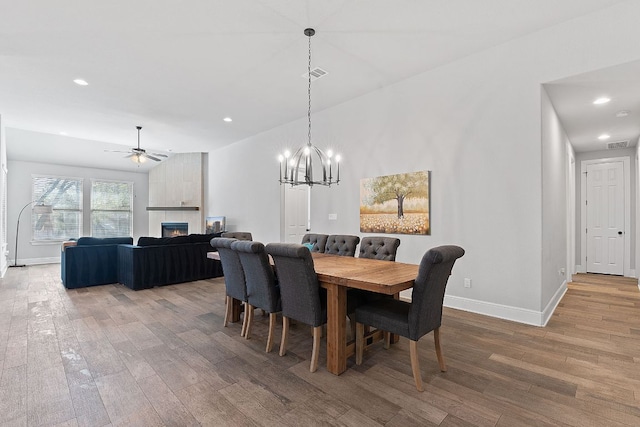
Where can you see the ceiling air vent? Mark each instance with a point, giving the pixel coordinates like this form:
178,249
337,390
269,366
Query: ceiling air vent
316,73
617,144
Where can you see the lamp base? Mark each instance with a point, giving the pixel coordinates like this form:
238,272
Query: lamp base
18,265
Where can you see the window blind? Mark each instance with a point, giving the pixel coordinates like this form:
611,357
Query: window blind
111,208
65,197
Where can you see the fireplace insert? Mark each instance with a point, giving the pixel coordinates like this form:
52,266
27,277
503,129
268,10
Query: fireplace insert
172,229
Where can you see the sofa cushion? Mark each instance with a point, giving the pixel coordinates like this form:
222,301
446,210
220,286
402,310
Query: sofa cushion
142,267
160,241
177,240
203,238
94,241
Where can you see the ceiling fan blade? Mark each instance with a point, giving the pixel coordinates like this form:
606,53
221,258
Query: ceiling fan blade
116,151
159,155
150,157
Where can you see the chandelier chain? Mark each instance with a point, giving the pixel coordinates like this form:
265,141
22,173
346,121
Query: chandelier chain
309,92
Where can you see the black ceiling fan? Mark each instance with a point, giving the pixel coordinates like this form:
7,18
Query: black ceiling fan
139,155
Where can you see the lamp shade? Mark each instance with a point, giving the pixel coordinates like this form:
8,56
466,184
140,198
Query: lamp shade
43,209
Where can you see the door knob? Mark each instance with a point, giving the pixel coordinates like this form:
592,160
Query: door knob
620,233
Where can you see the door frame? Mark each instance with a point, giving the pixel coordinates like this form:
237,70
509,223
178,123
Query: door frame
626,165
571,213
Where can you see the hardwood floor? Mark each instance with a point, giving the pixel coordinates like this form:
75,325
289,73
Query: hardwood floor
107,355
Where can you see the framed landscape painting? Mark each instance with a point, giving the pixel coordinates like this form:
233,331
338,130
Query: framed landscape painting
396,204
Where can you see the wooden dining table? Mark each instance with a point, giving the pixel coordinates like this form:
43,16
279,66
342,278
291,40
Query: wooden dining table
337,274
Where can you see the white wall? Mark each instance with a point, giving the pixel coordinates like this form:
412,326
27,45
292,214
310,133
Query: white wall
554,206
20,192
476,124
3,206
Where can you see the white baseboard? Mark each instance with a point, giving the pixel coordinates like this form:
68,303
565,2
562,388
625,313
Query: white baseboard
36,261
631,273
553,303
516,314
507,312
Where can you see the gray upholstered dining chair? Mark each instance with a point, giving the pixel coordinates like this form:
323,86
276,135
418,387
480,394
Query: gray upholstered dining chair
302,298
379,247
234,280
240,235
319,241
262,290
341,244
417,318
374,247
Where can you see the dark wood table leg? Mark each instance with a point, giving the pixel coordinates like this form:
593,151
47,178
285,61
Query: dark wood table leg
336,328
394,337
236,309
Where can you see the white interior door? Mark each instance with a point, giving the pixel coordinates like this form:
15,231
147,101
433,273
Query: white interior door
296,213
605,218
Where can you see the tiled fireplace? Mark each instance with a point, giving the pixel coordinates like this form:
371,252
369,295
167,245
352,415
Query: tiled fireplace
176,192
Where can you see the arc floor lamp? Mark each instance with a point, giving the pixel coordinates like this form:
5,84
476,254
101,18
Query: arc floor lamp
37,209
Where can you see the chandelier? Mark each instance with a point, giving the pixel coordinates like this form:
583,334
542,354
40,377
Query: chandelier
297,169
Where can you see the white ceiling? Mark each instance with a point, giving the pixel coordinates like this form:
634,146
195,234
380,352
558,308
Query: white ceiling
583,121
179,68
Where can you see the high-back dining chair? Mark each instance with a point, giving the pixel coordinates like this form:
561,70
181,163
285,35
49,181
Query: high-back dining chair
374,247
319,241
341,244
239,235
302,298
262,290
417,318
234,280
379,247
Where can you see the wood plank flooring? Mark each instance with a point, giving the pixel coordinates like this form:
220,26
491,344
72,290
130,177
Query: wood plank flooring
107,355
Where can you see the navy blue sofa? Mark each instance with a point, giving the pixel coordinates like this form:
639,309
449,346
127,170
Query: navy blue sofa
167,260
91,262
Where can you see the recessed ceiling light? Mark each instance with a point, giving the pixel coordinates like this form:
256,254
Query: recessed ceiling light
228,119
604,137
81,82
622,113
602,100
64,133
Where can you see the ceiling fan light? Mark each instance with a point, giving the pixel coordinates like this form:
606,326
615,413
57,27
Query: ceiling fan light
138,158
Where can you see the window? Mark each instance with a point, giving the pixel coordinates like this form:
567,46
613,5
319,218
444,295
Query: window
111,214
65,197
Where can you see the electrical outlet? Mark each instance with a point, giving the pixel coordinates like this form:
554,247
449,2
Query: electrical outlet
467,283
561,271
